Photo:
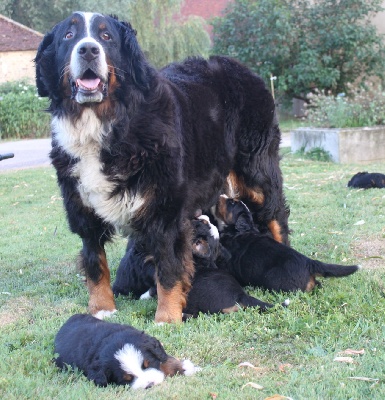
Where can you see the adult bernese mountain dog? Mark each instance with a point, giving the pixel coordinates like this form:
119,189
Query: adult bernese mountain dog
114,353
258,260
139,151
367,180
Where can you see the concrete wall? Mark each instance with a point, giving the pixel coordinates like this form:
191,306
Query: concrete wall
16,65
350,145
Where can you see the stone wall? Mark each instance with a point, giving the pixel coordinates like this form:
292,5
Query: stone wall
349,145
16,65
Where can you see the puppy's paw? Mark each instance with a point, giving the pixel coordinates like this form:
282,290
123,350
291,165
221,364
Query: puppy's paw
102,314
189,368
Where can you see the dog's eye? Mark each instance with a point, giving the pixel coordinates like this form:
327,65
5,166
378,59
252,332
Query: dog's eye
105,36
69,35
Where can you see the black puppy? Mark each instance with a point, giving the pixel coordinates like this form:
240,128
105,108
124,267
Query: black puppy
212,291
215,291
259,260
115,353
366,180
136,271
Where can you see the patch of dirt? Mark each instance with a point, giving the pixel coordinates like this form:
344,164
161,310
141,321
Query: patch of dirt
370,253
14,309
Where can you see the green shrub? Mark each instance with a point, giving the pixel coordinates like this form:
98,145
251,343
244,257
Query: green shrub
363,108
315,154
21,112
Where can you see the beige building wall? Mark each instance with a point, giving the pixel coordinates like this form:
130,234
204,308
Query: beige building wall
379,20
17,65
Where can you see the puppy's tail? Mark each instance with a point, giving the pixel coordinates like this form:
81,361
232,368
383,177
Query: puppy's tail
245,300
331,270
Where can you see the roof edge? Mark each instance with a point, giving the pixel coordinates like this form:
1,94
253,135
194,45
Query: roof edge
12,21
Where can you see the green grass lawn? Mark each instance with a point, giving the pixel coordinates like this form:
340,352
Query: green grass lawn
292,350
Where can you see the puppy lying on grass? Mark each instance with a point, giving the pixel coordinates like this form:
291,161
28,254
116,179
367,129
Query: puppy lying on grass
113,353
366,180
213,290
258,260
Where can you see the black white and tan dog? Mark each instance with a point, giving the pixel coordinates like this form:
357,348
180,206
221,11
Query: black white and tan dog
114,353
213,290
258,260
367,180
139,151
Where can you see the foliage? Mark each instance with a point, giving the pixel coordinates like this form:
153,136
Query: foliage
365,107
288,347
322,44
40,15
162,33
21,113
315,154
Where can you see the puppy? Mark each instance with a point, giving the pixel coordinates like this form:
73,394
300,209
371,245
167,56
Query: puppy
217,291
366,180
212,291
115,353
258,260
136,271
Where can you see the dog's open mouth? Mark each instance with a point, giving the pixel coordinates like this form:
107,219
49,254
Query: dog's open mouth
89,88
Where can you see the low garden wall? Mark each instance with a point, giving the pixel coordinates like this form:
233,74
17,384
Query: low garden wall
345,145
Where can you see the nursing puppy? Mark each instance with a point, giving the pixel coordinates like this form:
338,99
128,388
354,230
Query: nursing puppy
366,180
258,260
113,353
136,271
213,290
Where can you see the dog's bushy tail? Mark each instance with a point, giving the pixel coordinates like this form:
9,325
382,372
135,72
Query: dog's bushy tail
331,270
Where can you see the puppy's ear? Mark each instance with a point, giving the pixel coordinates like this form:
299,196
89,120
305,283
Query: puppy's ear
244,223
45,63
96,375
135,61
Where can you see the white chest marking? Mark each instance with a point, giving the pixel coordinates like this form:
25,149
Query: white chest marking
84,141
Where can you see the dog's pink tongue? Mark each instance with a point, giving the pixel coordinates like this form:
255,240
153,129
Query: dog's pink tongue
89,84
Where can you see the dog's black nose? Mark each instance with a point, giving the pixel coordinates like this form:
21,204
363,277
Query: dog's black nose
89,51
150,385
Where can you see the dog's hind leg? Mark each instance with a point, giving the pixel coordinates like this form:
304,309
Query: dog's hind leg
254,197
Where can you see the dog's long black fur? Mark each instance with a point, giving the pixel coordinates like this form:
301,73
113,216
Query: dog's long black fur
367,180
137,150
258,260
93,346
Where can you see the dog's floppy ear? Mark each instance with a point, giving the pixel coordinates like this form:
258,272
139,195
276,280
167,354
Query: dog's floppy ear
244,222
45,63
135,61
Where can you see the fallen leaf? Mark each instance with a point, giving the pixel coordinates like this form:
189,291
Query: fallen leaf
348,360
253,385
213,395
278,397
249,365
284,367
361,222
362,378
353,352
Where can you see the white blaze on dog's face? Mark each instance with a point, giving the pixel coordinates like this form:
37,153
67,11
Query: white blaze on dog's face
131,361
86,42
